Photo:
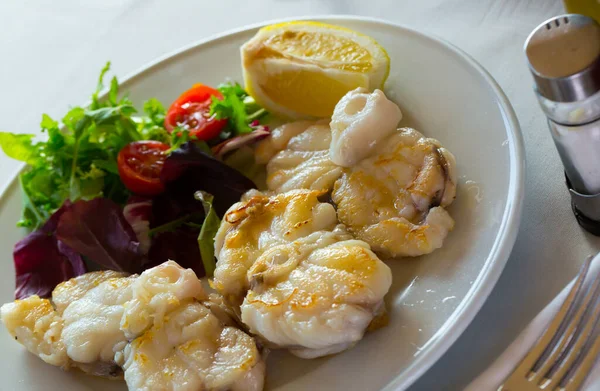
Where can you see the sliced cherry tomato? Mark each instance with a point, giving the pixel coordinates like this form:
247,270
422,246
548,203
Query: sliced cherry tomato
191,111
140,164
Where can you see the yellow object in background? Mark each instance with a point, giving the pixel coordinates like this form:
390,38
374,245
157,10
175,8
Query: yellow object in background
584,7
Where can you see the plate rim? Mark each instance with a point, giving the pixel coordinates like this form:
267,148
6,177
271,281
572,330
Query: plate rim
496,261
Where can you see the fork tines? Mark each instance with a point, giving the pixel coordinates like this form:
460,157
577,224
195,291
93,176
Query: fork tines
566,351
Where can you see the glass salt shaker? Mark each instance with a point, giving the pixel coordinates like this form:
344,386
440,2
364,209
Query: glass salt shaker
564,58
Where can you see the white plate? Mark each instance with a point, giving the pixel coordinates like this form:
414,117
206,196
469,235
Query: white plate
443,93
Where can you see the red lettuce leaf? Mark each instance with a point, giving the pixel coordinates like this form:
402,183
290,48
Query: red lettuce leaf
98,230
169,222
138,212
229,145
176,214
173,204
181,246
175,224
42,261
189,169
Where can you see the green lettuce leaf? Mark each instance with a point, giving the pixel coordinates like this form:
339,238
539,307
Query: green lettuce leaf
206,238
78,158
151,126
155,111
41,197
19,147
238,107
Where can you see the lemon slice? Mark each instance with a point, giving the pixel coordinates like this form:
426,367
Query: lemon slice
302,69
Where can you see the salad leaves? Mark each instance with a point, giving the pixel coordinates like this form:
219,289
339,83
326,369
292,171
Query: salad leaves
186,217
237,106
174,224
137,212
237,142
78,208
42,260
98,230
18,146
206,238
151,125
78,159
190,168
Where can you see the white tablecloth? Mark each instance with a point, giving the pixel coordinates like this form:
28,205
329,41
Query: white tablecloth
51,51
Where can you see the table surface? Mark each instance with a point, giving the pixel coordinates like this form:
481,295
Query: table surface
51,51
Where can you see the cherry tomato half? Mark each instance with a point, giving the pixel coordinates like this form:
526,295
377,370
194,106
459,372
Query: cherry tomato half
191,110
140,164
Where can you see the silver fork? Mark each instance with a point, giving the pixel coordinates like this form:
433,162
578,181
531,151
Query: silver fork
564,355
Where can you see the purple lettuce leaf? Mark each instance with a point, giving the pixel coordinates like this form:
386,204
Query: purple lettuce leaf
181,246
174,227
170,223
42,261
98,230
177,215
230,145
138,212
189,169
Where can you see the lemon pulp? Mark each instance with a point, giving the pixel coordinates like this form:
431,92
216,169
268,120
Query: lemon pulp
302,69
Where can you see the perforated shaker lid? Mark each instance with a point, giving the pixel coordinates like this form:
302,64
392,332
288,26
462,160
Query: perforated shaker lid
564,57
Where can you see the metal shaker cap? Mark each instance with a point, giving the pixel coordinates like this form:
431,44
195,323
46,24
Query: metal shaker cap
564,57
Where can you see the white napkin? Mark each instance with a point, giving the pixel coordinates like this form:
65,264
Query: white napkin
494,376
